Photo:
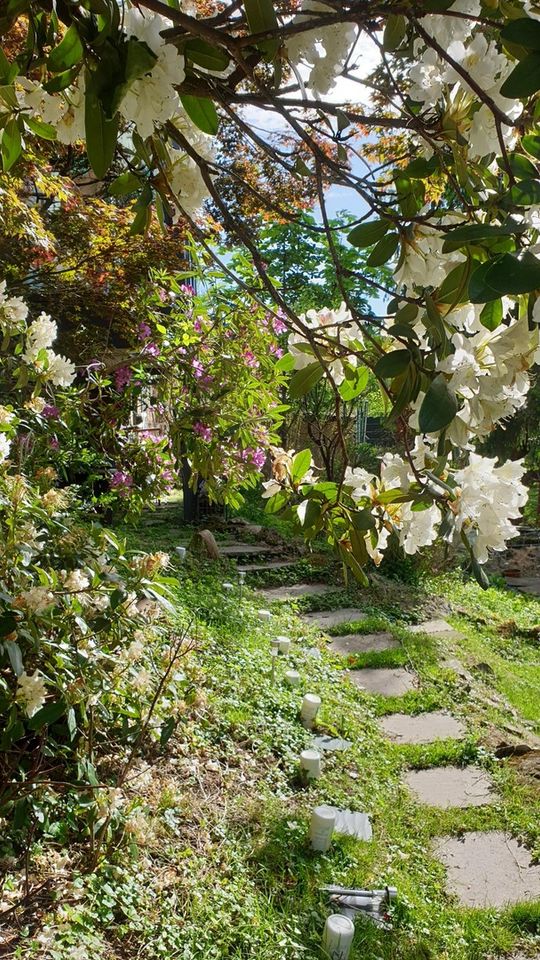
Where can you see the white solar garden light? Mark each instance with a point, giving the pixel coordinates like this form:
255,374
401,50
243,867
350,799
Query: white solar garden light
309,709
228,586
338,937
323,821
284,644
181,551
310,764
292,677
264,615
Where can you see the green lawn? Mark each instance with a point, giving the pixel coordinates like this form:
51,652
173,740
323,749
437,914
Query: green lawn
219,865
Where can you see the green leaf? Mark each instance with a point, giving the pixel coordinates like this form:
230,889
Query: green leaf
61,81
526,193
261,16
47,715
523,31
439,406
139,61
207,56
392,364
353,385
308,513
44,130
394,31
479,289
491,314
473,233
167,730
101,134
68,52
202,111
454,288
384,250
366,234
304,380
420,168
13,651
300,465
363,520
531,143
512,276
127,182
410,193
11,147
285,363
524,79
521,166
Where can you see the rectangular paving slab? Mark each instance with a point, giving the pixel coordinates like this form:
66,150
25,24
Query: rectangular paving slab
363,643
292,591
332,618
423,728
436,628
446,787
387,681
488,869
271,565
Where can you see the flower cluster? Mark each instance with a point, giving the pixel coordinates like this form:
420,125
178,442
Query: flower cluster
335,334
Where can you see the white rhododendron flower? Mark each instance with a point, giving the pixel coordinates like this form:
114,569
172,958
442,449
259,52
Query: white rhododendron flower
489,498
31,692
37,599
332,329
13,308
76,581
417,528
5,444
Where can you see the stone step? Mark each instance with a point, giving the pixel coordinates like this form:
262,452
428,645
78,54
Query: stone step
437,628
423,728
529,585
447,787
332,618
271,565
292,591
247,549
488,869
386,681
363,643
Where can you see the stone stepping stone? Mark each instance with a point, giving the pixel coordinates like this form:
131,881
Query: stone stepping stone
332,618
437,627
271,565
245,549
447,787
363,643
331,744
388,682
488,869
292,591
423,728
529,585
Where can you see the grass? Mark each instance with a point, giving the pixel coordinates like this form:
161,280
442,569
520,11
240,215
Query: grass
220,866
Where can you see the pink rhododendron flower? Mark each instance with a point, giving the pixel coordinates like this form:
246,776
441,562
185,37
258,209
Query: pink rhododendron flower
205,433
162,294
278,326
187,289
250,359
122,377
152,350
50,411
122,482
145,332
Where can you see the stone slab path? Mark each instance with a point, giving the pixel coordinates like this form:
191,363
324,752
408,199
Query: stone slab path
423,728
447,787
488,869
389,682
363,643
295,590
436,628
247,549
525,584
332,618
271,565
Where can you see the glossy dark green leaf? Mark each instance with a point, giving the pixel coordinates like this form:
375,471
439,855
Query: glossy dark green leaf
207,56
531,143
44,130
261,16
308,513
524,79
11,147
68,53
304,380
439,406
300,465
392,364
394,31
126,183
48,714
491,314
474,233
421,168
363,520
512,276
520,165
285,363
454,288
524,31
101,135
202,111
366,234
13,651
384,250
61,81
354,385
526,193
410,193
479,290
